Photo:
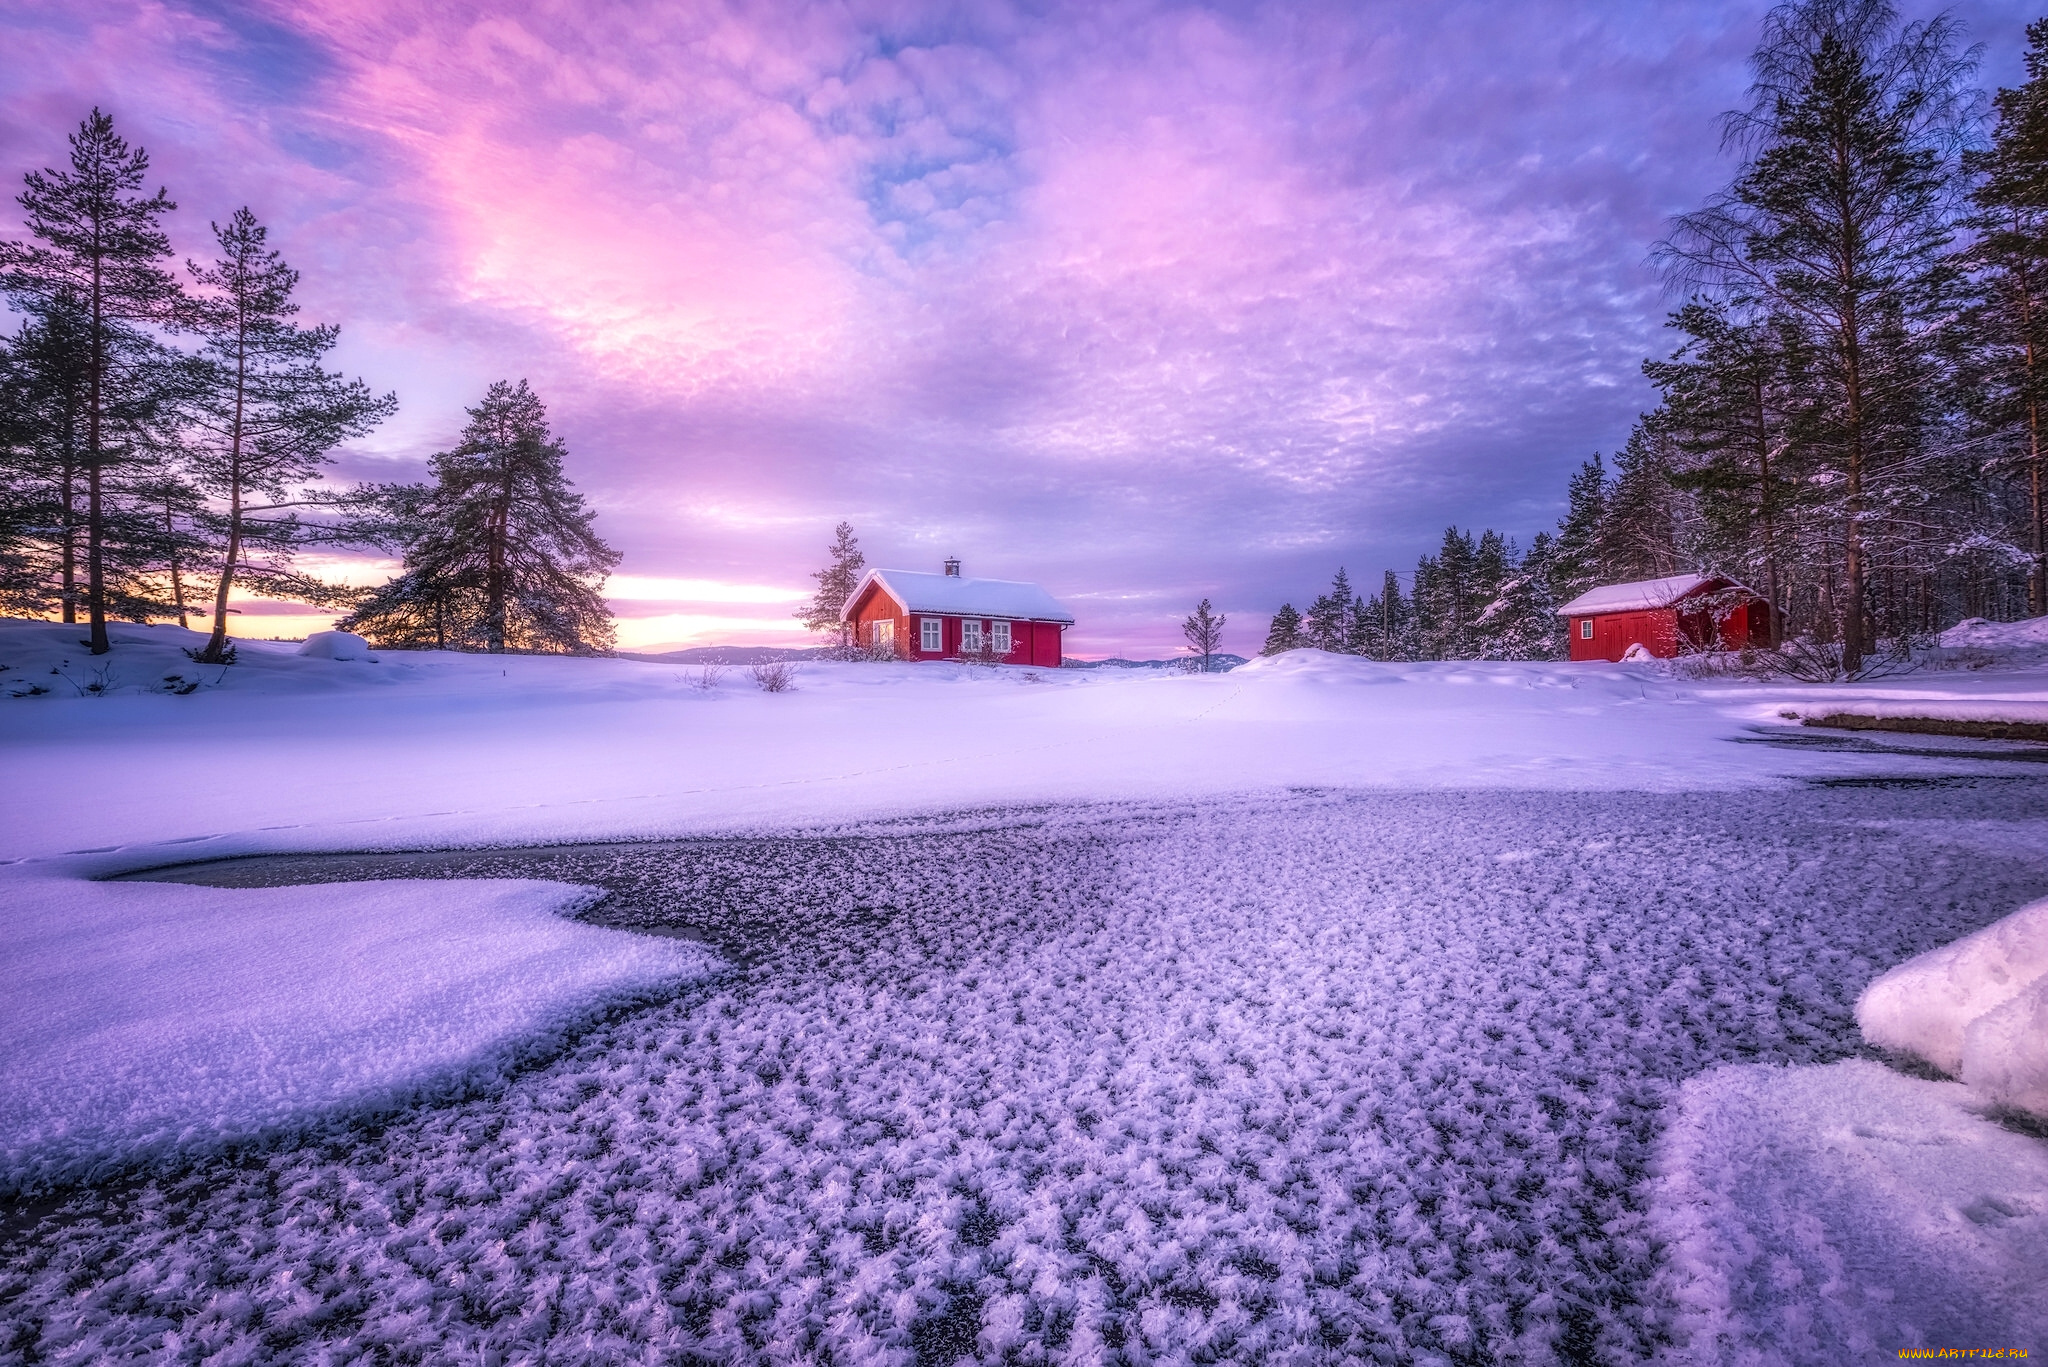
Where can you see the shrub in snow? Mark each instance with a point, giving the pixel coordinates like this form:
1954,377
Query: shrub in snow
336,645
774,676
1927,1006
1637,654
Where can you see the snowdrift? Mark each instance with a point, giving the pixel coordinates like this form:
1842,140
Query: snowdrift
146,1020
1977,1009
1842,1213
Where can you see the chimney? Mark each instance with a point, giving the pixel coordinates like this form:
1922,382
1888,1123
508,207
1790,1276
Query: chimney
952,567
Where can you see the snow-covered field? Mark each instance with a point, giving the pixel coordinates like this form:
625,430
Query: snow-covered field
1321,1011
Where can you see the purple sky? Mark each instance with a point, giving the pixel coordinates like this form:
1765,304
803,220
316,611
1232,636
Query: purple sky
1144,301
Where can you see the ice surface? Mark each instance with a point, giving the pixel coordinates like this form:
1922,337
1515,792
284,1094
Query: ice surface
1840,1214
143,1019
1312,1078
1925,1006
336,645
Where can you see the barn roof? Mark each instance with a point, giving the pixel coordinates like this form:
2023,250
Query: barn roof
920,591
1640,596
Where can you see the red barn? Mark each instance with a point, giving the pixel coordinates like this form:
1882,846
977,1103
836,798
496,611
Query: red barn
1665,616
948,616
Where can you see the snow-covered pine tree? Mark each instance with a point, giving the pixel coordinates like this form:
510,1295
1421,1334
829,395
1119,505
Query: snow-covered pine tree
1329,617
503,555
1285,633
836,583
1638,531
2006,324
1445,606
1840,217
1397,620
1735,406
1203,630
1575,560
96,254
264,418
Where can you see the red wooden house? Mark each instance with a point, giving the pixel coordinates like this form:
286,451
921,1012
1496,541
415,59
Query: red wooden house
948,616
1666,616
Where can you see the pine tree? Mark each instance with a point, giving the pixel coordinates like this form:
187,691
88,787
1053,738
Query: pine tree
267,414
97,252
1285,634
1839,219
2007,323
1394,621
1575,562
836,583
1734,406
1638,532
1447,604
1203,631
1329,617
505,557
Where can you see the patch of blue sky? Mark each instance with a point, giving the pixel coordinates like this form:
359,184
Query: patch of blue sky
270,61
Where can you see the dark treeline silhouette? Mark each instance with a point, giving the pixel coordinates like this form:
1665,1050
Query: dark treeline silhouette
1850,421
165,437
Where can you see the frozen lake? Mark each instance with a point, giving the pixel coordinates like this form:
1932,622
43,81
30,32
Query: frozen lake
1329,1077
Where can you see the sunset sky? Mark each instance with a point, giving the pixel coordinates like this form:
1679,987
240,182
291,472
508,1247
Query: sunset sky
1145,301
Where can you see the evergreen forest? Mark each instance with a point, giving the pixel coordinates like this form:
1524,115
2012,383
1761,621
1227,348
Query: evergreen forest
167,439
1850,415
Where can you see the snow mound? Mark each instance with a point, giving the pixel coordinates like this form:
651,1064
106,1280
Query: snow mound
146,1019
1976,1008
1823,1215
1976,633
336,645
1636,654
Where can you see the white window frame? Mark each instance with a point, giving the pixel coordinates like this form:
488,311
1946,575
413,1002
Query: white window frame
1586,629
1000,639
970,636
882,634
931,634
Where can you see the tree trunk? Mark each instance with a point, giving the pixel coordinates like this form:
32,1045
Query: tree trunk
95,561
217,643
68,487
177,579
1763,498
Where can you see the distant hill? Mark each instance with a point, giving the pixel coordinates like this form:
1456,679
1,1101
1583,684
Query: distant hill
746,655
1219,663
727,655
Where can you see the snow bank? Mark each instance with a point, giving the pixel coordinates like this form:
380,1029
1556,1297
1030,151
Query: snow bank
145,1018
42,662
1976,633
1976,1009
1823,1215
336,645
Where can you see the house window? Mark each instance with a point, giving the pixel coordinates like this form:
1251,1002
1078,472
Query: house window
999,634
882,634
931,635
970,637
1586,629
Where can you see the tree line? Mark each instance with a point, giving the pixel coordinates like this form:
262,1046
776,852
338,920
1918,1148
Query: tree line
166,437
1850,420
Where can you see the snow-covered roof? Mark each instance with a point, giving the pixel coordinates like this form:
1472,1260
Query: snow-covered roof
1637,597
920,591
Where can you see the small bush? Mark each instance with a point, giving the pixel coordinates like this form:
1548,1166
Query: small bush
774,676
